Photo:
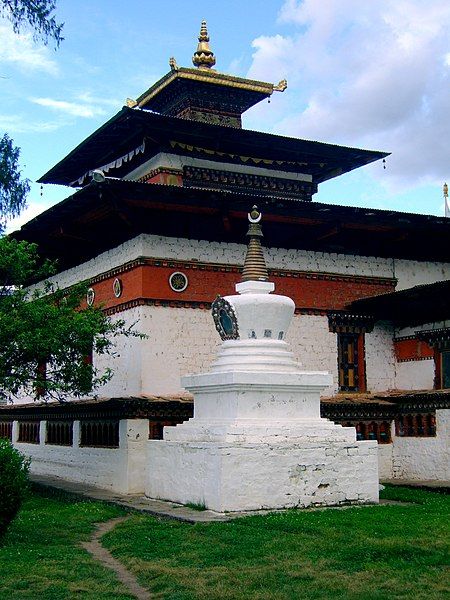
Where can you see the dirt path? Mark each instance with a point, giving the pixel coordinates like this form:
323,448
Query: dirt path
95,548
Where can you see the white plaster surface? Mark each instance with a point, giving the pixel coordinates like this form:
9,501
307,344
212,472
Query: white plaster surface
415,375
117,469
380,359
424,458
233,477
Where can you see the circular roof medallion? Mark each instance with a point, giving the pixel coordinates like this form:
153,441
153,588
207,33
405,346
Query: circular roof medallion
90,296
117,287
178,281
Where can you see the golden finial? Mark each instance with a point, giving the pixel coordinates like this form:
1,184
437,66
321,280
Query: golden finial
204,57
173,64
255,268
445,190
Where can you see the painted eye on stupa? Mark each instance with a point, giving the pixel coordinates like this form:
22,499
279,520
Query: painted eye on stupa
226,322
225,319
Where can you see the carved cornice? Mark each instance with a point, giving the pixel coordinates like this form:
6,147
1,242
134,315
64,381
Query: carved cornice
302,190
436,338
340,322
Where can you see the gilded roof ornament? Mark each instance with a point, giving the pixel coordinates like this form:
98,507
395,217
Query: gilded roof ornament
281,86
173,64
204,57
255,268
131,103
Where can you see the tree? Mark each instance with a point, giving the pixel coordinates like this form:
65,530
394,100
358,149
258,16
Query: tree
46,339
13,188
36,14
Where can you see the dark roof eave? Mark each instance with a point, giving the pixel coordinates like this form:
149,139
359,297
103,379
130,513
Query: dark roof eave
132,124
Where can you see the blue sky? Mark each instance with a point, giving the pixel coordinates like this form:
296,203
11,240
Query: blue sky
367,74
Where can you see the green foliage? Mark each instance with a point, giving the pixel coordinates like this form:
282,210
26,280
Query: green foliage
46,339
13,482
13,188
36,14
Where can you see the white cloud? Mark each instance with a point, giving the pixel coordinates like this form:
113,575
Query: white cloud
70,108
22,52
20,124
371,74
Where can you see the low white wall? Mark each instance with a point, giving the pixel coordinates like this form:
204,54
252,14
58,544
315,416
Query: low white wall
418,458
117,469
422,458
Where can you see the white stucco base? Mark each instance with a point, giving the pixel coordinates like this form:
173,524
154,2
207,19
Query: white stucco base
237,476
257,441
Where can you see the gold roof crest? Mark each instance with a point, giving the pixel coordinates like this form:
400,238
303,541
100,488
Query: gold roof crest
204,57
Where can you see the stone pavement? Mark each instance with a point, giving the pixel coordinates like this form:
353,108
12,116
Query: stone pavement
159,508
163,508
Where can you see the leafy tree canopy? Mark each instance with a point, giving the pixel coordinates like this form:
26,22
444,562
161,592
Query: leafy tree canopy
36,14
46,339
13,189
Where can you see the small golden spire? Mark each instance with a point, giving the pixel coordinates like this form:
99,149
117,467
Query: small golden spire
204,57
445,190
255,268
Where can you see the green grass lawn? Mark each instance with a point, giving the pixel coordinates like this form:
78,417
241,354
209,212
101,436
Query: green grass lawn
380,552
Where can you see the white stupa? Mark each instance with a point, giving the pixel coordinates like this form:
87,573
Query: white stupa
257,440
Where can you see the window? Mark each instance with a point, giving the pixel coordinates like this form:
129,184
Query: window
415,425
442,361
351,363
29,432
60,433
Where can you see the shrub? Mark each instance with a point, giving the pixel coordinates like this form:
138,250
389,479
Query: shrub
13,482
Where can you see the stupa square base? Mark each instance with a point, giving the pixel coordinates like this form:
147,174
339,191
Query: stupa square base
238,477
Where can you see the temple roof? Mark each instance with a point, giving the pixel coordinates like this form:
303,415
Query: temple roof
103,215
134,135
413,306
202,93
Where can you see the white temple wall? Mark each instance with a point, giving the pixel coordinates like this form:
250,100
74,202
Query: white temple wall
408,273
415,375
380,360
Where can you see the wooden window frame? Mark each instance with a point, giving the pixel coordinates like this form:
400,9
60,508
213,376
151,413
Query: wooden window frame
361,385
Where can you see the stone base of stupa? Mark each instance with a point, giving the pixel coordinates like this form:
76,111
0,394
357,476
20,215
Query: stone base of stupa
257,441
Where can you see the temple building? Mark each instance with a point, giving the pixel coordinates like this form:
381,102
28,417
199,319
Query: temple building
156,223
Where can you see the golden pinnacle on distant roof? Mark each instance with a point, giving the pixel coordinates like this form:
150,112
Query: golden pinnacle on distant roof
255,268
445,190
204,57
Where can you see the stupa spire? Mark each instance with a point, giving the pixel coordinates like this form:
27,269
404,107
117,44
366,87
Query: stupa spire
204,57
255,268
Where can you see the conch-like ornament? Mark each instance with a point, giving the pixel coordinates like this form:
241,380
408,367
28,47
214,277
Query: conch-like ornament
281,86
173,64
131,103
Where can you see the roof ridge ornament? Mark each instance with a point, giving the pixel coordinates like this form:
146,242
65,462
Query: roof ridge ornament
204,57
255,268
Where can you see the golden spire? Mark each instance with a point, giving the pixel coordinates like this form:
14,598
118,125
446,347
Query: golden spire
204,57
445,190
254,265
